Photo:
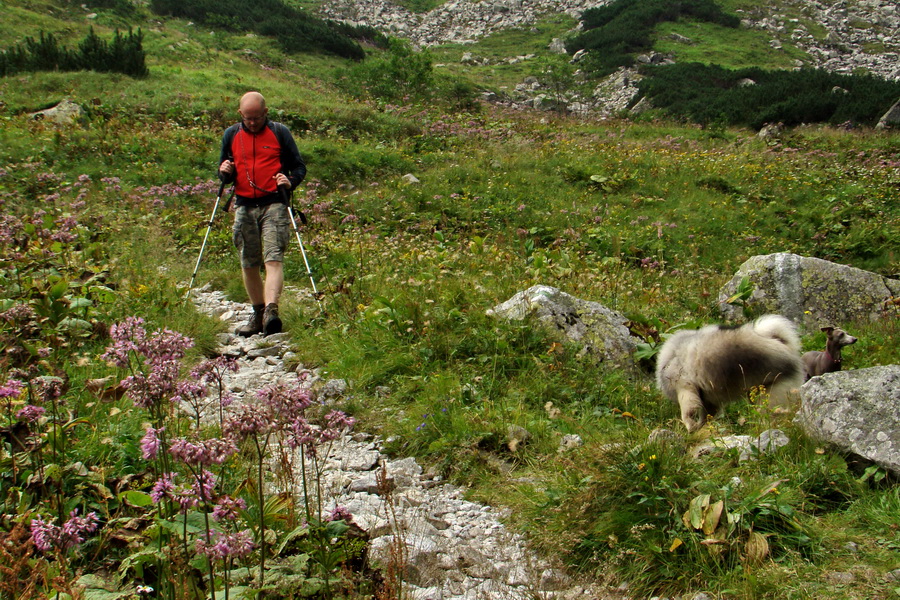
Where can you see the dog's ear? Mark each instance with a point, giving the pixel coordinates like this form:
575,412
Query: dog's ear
828,330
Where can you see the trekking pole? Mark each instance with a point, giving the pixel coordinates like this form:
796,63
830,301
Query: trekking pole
287,200
206,237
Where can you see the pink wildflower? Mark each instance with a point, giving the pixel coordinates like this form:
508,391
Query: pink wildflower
224,545
48,536
31,413
150,443
228,508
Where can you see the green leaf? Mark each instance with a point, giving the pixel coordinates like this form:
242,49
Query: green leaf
72,324
646,351
178,527
694,516
137,560
97,588
298,532
80,303
102,293
58,289
136,499
336,528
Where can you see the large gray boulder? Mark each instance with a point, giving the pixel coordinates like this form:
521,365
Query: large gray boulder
812,292
855,412
600,331
64,113
891,118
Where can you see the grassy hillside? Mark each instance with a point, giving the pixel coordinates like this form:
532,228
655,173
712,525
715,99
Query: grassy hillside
648,217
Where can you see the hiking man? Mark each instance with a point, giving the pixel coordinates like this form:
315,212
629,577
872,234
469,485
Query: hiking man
261,158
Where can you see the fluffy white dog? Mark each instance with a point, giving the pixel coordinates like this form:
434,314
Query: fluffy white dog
705,368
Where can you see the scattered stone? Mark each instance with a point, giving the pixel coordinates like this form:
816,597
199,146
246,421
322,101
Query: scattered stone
554,580
852,547
891,118
578,56
746,82
557,46
544,102
570,442
768,441
362,461
64,113
855,412
840,577
368,484
666,438
770,132
410,179
680,38
263,352
469,59
333,388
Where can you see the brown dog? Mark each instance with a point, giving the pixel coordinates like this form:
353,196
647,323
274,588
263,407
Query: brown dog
818,363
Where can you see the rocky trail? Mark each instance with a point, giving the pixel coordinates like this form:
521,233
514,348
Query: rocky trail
453,549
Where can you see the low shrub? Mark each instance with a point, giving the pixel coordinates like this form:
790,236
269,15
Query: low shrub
123,54
295,30
712,94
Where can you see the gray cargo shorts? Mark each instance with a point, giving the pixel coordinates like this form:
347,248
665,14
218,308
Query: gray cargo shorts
261,233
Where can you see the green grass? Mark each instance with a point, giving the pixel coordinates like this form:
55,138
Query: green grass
502,45
731,48
506,201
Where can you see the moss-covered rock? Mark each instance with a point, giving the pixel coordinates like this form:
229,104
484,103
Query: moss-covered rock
856,412
811,292
600,331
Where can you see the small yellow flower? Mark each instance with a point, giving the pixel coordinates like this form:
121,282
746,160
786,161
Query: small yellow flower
652,457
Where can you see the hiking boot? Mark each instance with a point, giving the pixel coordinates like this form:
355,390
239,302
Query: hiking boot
271,321
254,325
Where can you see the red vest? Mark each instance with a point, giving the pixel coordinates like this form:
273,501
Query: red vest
257,159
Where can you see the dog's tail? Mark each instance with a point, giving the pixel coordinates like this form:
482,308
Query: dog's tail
778,328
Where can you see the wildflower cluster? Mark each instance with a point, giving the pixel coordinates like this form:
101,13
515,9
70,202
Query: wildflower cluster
226,545
154,360
197,494
204,453
49,537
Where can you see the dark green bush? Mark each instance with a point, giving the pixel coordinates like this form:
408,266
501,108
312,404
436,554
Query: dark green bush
613,33
295,30
124,54
713,94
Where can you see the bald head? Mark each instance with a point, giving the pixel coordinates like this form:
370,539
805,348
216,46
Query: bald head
252,101
253,111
